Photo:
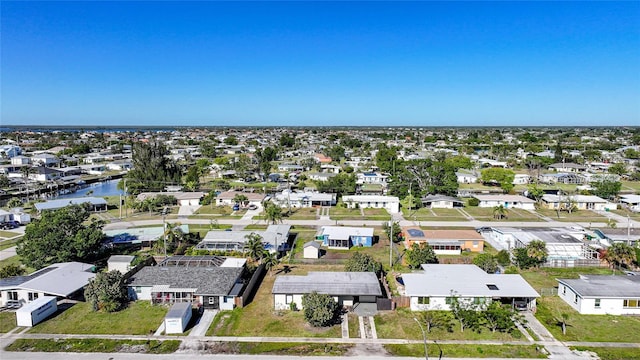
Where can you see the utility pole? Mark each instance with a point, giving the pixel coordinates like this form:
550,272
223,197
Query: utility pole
390,245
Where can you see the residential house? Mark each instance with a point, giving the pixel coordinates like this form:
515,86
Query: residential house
64,280
95,203
145,236
10,151
567,167
581,202
321,158
444,242
602,294
290,168
275,236
227,198
120,263
435,286
371,178
303,199
44,174
389,203
44,159
347,288
465,177
508,201
120,165
441,202
20,160
184,198
521,179
213,281
562,178
321,176
344,237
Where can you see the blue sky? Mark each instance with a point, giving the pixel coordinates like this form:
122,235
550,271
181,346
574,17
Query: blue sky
318,63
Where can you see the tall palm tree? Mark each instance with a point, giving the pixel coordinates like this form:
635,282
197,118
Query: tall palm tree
173,234
537,250
620,254
499,212
270,261
26,171
254,247
273,213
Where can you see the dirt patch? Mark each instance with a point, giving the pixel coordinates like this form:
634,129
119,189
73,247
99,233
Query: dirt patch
362,350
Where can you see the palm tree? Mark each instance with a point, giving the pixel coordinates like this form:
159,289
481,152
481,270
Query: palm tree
26,171
537,250
499,212
270,261
273,213
173,234
619,254
254,246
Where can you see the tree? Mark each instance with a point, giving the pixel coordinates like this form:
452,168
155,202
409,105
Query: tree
464,311
4,182
420,253
107,292
535,192
320,309
254,247
11,270
173,236
499,212
618,169
537,250
562,320
521,259
499,317
240,199
26,171
360,262
270,261
396,230
273,213
436,319
606,189
503,258
14,202
504,177
59,236
620,254
152,168
486,262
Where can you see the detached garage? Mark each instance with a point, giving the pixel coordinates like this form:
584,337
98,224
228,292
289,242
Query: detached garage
177,318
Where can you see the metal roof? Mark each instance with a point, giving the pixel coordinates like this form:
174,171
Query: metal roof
61,279
57,204
606,286
464,281
177,310
332,283
345,232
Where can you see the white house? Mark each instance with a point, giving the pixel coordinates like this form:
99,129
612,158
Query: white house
389,203
304,199
121,263
602,294
227,198
44,174
521,179
371,178
437,284
466,178
20,160
44,159
508,201
184,198
441,202
59,279
567,167
347,288
582,202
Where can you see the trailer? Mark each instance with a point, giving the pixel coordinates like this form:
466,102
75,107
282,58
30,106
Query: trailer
36,311
177,318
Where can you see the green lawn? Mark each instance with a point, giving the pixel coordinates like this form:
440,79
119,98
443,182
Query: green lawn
140,318
354,326
303,214
376,214
400,324
611,353
486,214
15,260
203,229
625,213
607,328
582,216
7,321
424,214
340,213
546,277
293,349
8,234
8,243
95,345
465,351
260,319
633,185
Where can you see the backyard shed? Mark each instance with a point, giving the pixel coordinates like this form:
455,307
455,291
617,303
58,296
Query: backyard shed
311,250
36,311
177,318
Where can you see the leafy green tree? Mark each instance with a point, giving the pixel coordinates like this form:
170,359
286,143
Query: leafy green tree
395,229
465,312
535,192
503,258
360,262
14,202
59,236
499,212
231,140
4,182
606,189
254,247
420,253
504,177
107,292
320,309
537,250
287,140
436,319
10,270
620,254
340,184
240,199
152,169
618,169
270,261
486,262
273,213
499,317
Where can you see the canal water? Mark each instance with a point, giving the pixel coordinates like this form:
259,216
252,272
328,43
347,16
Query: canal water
106,188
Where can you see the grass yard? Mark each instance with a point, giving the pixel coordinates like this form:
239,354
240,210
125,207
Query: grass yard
546,277
632,185
376,214
608,328
15,260
293,349
486,214
625,212
7,244
303,214
7,321
260,319
610,353
140,318
340,213
354,326
8,234
95,345
583,216
256,227
424,214
203,229
465,351
399,324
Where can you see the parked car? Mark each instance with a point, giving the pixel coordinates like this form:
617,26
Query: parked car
253,207
483,229
521,305
236,207
8,225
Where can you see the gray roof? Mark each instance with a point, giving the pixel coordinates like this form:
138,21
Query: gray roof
332,283
464,281
206,281
345,232
61,279
606,286
127,259
57,204
177,310
312,243
431,198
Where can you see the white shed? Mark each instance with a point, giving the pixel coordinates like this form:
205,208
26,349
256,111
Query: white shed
177,318
36,311
121,263
311,250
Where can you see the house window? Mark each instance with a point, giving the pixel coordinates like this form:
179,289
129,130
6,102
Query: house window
479,300
212,300
288,299
631,303
13,295
448,300
33,296
597,302
423,300
475,244
138,289
575,298
564,290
